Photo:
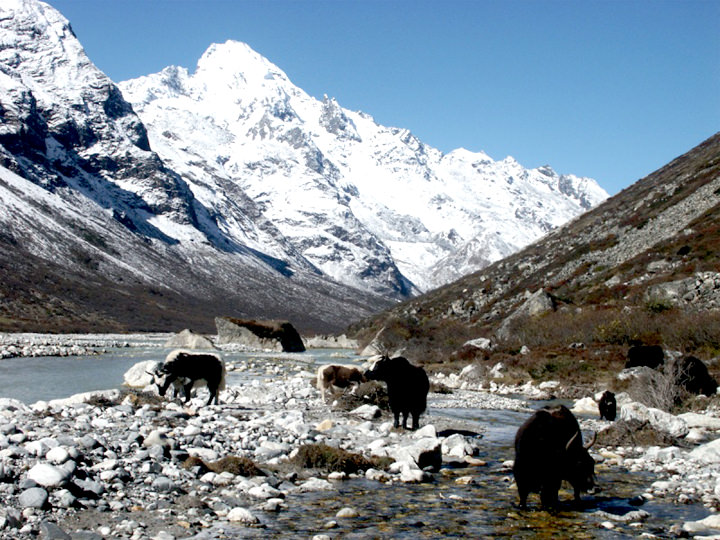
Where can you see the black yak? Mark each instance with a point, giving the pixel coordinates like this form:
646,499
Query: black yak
651,356
607,406
692,374
548,450
407,385
192,369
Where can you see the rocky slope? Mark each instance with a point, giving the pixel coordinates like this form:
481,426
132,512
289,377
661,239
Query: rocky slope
651,248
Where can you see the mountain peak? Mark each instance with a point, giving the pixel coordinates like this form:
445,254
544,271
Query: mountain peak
237,61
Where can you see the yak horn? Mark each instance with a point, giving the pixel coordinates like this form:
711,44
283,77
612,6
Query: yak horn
572,439
592,441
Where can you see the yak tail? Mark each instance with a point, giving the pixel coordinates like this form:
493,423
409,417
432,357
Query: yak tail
221,386
320,378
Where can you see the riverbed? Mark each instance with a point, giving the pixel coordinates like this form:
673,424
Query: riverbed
270,395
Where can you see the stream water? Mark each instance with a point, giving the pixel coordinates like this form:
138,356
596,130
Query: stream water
485,507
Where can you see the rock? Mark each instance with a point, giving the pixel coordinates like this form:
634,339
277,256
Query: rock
457,446
331,342
586,405
710,522
347,512
496,372
707,453
471,372
634,433
693,420
64,499
660,420
137,376
367,412
425,431
187,339
315,484
47,475
50,531
35,497
157,438
274,335
535,304
163,484
242,515
10,518
324,425
479,343
414,476
426,452
57,455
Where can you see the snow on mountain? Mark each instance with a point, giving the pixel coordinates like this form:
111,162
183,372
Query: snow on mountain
89,211
232,187
368,205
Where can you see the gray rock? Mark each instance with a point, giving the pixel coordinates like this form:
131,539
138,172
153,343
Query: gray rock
35,497
163,484
10,518
50,531
48,475
187,339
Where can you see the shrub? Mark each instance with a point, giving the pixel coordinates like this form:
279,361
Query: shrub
237,465
322,456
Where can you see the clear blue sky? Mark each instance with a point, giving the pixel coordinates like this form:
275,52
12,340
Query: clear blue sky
608,89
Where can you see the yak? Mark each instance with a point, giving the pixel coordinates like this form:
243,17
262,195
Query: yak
607,406
330,375
548,450
407,386
192,369
651,356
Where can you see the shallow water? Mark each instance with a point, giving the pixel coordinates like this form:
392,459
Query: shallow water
442,509
53,377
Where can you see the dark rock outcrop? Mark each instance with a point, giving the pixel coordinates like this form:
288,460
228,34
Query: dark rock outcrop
278,335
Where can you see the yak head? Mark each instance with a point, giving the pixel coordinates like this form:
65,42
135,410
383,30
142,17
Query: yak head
581,466
159,378
380,370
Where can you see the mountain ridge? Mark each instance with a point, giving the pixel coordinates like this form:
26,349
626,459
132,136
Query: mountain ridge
649,252
178,226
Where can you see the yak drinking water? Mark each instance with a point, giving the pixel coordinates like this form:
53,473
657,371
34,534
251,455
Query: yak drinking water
548,450
408,387
192,369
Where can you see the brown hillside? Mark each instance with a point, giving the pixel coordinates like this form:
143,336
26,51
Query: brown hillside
641,267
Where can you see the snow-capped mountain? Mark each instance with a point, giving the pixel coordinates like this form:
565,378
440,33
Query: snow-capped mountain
232,191
360,201
96,229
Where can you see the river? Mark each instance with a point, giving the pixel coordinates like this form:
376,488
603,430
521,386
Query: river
485,507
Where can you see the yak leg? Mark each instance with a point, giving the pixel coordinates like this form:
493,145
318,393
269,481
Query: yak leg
415,421
397,419
188,389
213,394
549,494
523,496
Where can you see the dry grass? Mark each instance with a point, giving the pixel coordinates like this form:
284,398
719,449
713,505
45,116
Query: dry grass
322,456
